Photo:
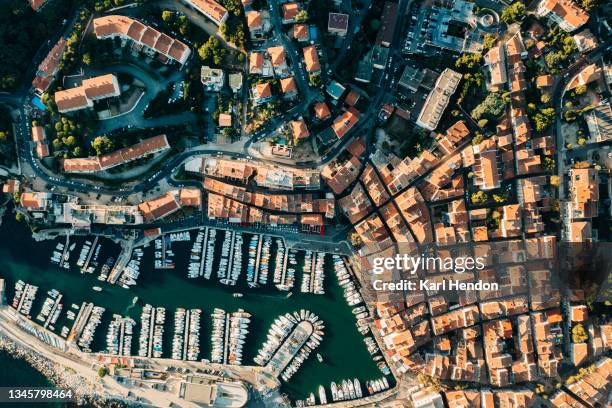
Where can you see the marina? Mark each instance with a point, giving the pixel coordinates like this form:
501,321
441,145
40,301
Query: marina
87,316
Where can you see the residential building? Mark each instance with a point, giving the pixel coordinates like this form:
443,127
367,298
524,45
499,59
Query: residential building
290,11
213,79
438,99
495,61
584,193
345,122
299,130
144,37
278,59
566,13
311,59
211,9
288,87
589,74
585,40
225,120
338,24
262,93
37,4
39,137
486,170
118,157
49,66
388,22
301,33
235,81
599,121
255,23
84,96
321,111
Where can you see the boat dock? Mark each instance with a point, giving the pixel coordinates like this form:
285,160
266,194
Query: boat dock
122,261
283,278
80,321
90,254
2,292
150,339
226,338
203,252
53,309
258,258
231,259
65,252
186,333
290,347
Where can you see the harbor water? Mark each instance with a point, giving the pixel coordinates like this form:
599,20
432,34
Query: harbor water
343,350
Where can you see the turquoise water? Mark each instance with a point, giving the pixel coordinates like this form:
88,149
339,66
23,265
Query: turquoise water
343,350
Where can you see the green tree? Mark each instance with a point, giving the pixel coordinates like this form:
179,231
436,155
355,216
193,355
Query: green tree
301,16
87,58
579,335
488,42
102,371
19,217
102,145
3,136
167,16
580,89
492,107
549,164
514,12
479,197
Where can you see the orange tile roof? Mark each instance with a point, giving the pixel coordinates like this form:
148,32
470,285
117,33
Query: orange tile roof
159,207
211,8
299,129
343,123
263,90
290,10
568,11
225,119
254,19
277,55
256,61
118,157
38,134
311,59
322,111
116,25
288,85
300,32
99,86
191,197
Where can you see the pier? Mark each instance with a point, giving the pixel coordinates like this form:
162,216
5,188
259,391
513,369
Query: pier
290,347
80,321
226,337
283,279
186,334
230,262
258,259
2,292
53,309
65,252
91,252
203,252
122,261
151,332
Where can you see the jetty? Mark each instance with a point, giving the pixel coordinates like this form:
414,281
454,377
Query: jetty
122,261
290,347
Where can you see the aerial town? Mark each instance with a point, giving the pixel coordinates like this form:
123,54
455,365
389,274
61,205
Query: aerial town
208,203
